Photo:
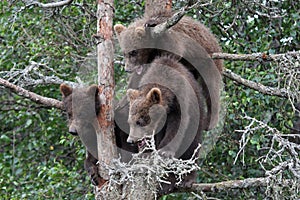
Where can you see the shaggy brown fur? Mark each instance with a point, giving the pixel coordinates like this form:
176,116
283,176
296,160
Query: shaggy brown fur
192,28
80,123
168,97
187,26
189,42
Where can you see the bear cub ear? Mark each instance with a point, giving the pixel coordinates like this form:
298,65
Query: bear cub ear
65,90
119,28
132,94
154,96
93,90
140,31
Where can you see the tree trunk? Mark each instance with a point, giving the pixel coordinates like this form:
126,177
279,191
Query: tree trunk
105,133
105,53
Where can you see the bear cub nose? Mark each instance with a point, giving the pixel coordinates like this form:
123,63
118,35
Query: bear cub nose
73,131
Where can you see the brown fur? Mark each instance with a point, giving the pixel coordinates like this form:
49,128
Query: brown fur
169,100
189,41
187,26
80,124
192,28
90,161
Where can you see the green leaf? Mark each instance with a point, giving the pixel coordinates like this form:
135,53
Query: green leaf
28,123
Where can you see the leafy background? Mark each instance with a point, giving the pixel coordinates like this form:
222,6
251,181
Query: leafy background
40,160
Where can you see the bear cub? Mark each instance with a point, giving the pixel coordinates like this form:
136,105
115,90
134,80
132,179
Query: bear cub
82,123
82,106
189,42
168,104
187,26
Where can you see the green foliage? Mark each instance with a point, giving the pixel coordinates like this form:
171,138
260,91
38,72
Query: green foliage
127,11
39,159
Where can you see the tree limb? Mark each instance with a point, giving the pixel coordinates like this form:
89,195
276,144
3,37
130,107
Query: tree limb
252,57
50,5
257,57
32,96
256,86
226,185
175,18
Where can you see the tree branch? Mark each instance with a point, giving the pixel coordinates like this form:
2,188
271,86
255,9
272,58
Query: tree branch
32,96
175,18
50,5
279,58
252,57
256,86
226,185
33,75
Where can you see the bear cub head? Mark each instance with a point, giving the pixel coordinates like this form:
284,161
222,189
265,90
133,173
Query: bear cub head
82,106
147,114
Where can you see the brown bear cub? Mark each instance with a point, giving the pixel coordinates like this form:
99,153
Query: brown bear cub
82,106
189,42
79,124
187,26
169,105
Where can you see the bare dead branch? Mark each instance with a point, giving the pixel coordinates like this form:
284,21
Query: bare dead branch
34,74
147,170
287,70
264,9
50,5
32,96
252,57
256,86
288,73
227,185
281,162
176,18
233,184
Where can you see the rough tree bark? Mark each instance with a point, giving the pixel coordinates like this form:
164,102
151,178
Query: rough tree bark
105,135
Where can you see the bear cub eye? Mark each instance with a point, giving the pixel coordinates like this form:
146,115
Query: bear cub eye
143,121
133,53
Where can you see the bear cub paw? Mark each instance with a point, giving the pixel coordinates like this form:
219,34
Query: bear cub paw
95,177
